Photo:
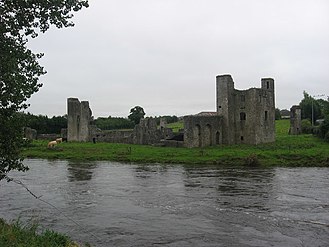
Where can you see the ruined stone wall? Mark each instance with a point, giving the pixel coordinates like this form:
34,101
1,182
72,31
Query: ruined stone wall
295,120
202,131
248,115
225,103
146,132
79,117
30,133
114,136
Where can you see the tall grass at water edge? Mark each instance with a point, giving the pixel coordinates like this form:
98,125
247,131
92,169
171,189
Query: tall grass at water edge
18,235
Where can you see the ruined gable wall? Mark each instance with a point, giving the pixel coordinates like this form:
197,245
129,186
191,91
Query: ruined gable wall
78,120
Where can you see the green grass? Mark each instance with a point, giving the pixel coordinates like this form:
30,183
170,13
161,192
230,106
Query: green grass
16,234
176,126
301,150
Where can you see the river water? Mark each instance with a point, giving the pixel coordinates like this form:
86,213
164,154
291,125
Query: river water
118,204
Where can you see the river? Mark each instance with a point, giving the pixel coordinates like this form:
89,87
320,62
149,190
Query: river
118,204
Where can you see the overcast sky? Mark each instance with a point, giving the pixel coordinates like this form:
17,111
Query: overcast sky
164,55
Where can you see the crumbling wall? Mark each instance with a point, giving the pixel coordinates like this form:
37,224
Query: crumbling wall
30,133
295,120
248,115
146,132
202,131
79,117
113,136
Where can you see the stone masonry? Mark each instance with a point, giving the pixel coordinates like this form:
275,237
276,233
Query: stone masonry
295,120
79,117
202,131
243,116
248,115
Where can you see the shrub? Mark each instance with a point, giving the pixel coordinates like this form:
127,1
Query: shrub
326,137
307,127
251,160
324,129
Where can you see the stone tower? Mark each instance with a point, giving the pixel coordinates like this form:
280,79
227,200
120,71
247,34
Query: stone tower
78,120
248,115
295,120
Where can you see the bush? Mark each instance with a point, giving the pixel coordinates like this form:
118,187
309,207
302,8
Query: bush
307,127
324,128
251,160
326,137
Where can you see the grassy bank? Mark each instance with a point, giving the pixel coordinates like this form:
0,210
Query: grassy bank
16,234
302,150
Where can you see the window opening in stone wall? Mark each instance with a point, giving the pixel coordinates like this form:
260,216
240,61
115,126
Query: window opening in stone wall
266,115
267,85
241,138
243,116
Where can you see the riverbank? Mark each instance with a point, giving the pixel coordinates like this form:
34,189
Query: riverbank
15,234
301,150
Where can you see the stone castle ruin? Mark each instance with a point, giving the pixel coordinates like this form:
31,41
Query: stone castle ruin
241,116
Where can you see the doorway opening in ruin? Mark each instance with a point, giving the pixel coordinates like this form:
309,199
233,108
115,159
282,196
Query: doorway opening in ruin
217,137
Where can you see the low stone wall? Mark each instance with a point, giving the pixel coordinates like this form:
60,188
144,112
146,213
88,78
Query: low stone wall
114,136
30,133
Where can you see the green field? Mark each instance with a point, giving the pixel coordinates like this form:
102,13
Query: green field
301,150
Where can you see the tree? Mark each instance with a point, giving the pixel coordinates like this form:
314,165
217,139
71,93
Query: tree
19,66
136,114
112,123
307,103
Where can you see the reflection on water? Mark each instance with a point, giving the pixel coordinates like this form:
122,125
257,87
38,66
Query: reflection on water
80,171
151,205
245,188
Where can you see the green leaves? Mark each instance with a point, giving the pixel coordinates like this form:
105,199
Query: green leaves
19,66
136,114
